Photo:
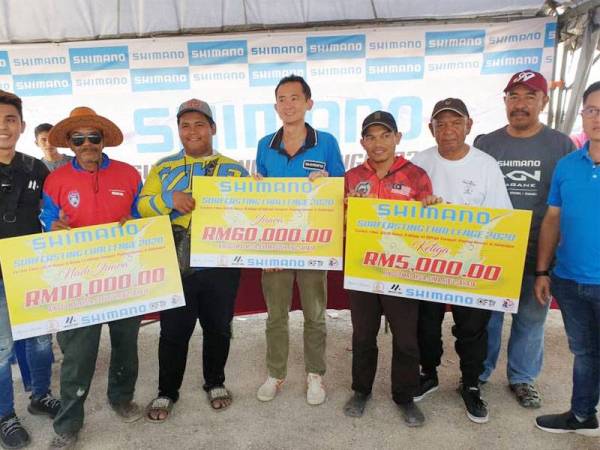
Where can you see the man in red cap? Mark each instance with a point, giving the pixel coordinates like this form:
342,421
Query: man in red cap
91,190
527,151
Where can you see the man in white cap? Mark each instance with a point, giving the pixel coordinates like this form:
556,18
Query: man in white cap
93,189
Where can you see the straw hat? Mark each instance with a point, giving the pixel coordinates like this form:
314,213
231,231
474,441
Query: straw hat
83,116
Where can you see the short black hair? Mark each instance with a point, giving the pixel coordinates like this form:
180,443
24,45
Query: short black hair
295,79
42,128
590,90
8,98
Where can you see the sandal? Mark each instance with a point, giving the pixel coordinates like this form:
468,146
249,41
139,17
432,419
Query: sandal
217,397
156,407
355,406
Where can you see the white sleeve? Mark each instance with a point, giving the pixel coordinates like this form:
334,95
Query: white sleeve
496,195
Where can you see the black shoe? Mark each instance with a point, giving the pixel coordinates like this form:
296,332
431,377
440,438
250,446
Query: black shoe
64,441
476,408
413,417
568,423
428,383
12,433
355,406
46,405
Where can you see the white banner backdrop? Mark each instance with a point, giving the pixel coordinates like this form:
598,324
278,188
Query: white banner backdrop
139,83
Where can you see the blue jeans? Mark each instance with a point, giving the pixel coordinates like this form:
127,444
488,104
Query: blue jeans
580,309
526,342
39,357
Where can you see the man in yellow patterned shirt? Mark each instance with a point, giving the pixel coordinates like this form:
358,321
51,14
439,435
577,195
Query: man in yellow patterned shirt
209,292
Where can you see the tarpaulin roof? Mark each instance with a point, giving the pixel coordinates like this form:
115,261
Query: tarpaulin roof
62,20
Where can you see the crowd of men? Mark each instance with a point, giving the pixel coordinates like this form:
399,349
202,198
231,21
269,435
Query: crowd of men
563,256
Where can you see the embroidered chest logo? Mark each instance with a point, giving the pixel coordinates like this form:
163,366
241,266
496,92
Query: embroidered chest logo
117,192
400,189
363,188
313,165
74,199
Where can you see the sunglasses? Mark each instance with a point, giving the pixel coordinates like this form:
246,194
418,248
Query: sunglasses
78,139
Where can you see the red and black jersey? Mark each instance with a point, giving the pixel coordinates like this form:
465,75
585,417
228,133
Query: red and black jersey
404,181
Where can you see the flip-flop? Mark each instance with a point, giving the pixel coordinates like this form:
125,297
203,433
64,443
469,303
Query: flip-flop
159,405
216,394
355,406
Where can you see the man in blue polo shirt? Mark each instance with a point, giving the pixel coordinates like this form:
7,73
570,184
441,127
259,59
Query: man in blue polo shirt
571,227
296,150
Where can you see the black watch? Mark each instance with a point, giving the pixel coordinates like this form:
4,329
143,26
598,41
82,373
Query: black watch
542,273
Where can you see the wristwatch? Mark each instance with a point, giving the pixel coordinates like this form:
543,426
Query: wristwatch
542,273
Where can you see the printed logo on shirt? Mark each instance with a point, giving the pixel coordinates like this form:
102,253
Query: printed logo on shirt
401,189
363,188
469,185
33,185
313,165
74,199
117,192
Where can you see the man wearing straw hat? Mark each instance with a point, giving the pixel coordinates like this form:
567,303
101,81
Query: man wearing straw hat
91,190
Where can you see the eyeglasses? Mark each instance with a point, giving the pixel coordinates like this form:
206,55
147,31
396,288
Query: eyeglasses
78,139
590,112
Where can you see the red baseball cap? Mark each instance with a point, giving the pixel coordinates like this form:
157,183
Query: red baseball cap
529,78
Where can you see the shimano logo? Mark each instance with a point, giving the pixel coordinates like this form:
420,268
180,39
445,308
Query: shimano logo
218,52
515,38
278,50
43,84
160,79
270,74
521,163
99,58
336,47
521,175
385,69
454,42
512,61
395,45
158,56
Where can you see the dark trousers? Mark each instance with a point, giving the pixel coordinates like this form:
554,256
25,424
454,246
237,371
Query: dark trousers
470,331
209,298
402,315
80,350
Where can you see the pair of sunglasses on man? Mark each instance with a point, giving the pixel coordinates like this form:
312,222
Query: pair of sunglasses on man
78,139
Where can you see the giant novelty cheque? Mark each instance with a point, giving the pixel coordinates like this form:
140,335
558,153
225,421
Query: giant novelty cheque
85,276
289,223
460,255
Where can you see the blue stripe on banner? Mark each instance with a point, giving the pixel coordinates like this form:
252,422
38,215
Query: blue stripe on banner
165,79
550,37
389,69
336,47
454,42
218,52
99,58
511,61
270,74
4,63
43,84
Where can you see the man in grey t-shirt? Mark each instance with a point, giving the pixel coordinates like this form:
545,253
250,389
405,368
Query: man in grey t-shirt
527,152
52,159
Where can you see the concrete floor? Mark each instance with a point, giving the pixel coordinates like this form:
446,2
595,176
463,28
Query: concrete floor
290,423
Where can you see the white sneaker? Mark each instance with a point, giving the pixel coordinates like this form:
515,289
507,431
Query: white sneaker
268,391
315,391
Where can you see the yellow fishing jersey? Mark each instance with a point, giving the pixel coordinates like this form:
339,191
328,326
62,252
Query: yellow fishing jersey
175,173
